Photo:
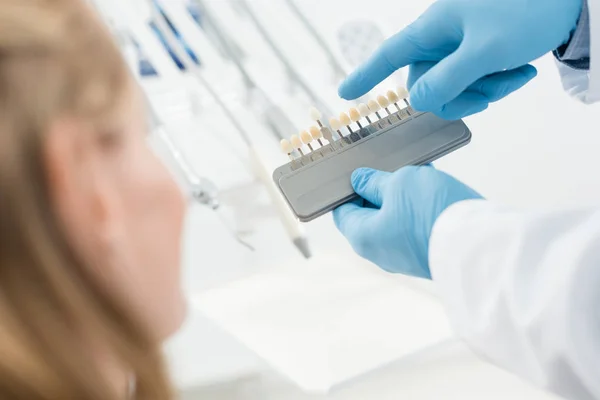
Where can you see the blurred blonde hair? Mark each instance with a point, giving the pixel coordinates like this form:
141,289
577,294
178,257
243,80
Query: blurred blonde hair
57,58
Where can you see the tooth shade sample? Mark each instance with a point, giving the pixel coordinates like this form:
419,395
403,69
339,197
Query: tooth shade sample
315,133
286,146
383,101
345,119
402,92
335,124
364,111
315,114
305,137
354,114
392,96
296,142
374,106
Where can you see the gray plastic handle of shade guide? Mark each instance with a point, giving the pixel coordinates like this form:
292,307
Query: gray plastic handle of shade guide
320,181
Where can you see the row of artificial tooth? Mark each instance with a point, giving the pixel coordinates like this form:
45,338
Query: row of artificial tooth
314,134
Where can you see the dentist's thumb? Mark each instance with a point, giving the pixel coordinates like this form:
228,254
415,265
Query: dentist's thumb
370,184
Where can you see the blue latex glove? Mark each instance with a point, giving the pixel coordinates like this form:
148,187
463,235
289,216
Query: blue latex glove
391,227
464,54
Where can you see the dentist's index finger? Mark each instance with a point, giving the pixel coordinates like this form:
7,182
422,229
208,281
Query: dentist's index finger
396,52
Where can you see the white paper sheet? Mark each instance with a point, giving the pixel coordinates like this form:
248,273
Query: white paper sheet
324,322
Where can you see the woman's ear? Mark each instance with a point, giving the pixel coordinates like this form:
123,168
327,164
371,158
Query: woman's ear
79,185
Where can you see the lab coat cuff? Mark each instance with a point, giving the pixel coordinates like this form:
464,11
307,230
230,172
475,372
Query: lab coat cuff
446,237
450,246
576,52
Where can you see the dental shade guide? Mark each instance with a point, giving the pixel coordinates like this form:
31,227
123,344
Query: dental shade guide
319,180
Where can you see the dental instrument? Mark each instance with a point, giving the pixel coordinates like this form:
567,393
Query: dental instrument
273,116
201,189
357,40
289,68
232,51
336,67
289,221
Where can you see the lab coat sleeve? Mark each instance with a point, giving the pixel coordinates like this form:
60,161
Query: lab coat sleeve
523,291
579,71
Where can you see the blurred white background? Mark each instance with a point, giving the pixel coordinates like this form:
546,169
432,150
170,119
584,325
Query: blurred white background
537,148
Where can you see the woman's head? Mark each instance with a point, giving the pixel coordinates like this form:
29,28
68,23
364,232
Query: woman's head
90,220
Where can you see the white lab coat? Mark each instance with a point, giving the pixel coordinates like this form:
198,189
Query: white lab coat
522,288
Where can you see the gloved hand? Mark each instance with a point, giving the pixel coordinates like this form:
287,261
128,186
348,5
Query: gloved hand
391,227
464,54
